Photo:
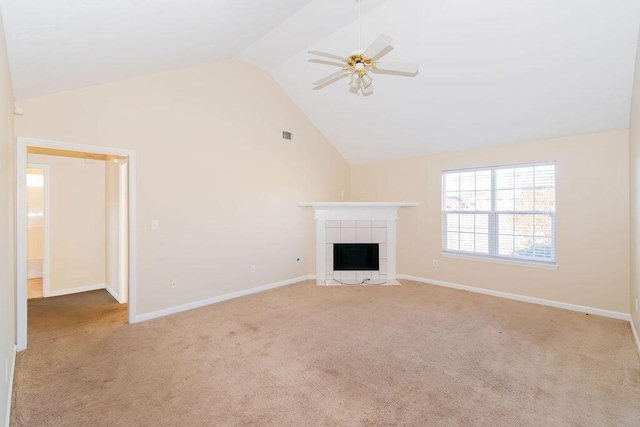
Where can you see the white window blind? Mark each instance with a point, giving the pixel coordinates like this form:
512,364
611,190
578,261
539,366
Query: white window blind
503,212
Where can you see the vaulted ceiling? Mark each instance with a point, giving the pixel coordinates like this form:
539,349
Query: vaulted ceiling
491,72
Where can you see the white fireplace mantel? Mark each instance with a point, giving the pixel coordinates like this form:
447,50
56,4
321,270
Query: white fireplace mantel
355,212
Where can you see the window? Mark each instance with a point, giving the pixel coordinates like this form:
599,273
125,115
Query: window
501,212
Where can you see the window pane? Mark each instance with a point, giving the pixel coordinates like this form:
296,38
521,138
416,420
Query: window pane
467,223
467,201
505,200
483,180
505,224
452,182
452,201
543,248
466,242
453,241
483,200
545,199
523,224
452,222
482,243
524,246
482,223
504,179
524,199
468,181
543,226
505,245
545,176
524,178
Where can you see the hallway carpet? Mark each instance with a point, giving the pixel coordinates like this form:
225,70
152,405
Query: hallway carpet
304,355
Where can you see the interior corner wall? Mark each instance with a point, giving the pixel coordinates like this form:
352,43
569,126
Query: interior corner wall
592,219
7,232
212,169
634,169
77,253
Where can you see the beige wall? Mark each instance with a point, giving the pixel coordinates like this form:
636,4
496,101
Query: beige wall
213,169
76,221
7,235
634,167
591,224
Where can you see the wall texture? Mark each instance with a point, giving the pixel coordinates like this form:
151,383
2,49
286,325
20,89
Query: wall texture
634,169
213,169
7,236
592,217
77,221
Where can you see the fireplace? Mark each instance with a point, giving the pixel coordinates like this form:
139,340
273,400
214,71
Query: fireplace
356,257
356,223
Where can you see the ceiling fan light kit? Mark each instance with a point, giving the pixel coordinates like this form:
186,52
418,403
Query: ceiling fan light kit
361,62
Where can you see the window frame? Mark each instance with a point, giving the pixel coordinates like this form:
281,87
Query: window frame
493,220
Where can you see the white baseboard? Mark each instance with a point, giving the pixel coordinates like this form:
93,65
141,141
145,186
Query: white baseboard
12,369
636,337
523,298
114,294
213,300
76,290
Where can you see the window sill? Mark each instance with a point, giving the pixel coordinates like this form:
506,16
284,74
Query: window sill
493,260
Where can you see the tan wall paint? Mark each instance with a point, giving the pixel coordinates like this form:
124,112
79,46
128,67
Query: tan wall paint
634,167
592,218
7,229
212,168
77,221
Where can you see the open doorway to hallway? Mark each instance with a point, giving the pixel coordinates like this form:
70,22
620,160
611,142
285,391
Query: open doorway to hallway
37,227
86,228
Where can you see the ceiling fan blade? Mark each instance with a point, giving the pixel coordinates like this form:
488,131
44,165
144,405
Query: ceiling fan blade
396,67
327,55
330,77
378,46
325,62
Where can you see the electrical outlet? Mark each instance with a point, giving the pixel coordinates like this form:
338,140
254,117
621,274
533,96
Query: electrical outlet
252,269
436,263
341,193
173,284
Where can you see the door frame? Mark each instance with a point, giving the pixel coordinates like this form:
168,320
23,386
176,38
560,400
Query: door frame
23,144
46,224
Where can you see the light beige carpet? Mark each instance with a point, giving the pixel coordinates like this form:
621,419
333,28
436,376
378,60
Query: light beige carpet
307,355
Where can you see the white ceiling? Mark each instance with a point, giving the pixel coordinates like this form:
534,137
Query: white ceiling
491,72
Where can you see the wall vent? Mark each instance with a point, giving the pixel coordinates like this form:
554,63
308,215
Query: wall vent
286,135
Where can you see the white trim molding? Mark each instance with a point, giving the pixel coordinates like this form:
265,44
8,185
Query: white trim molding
22,147
355,211
496,260
522,298
12,370
77,290
225,297
636,337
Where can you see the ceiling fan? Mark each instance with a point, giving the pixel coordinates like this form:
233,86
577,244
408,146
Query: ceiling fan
361,62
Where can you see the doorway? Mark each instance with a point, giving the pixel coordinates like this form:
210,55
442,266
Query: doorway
37,194
121,277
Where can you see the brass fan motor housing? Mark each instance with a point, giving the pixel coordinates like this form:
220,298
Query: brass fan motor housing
358,58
